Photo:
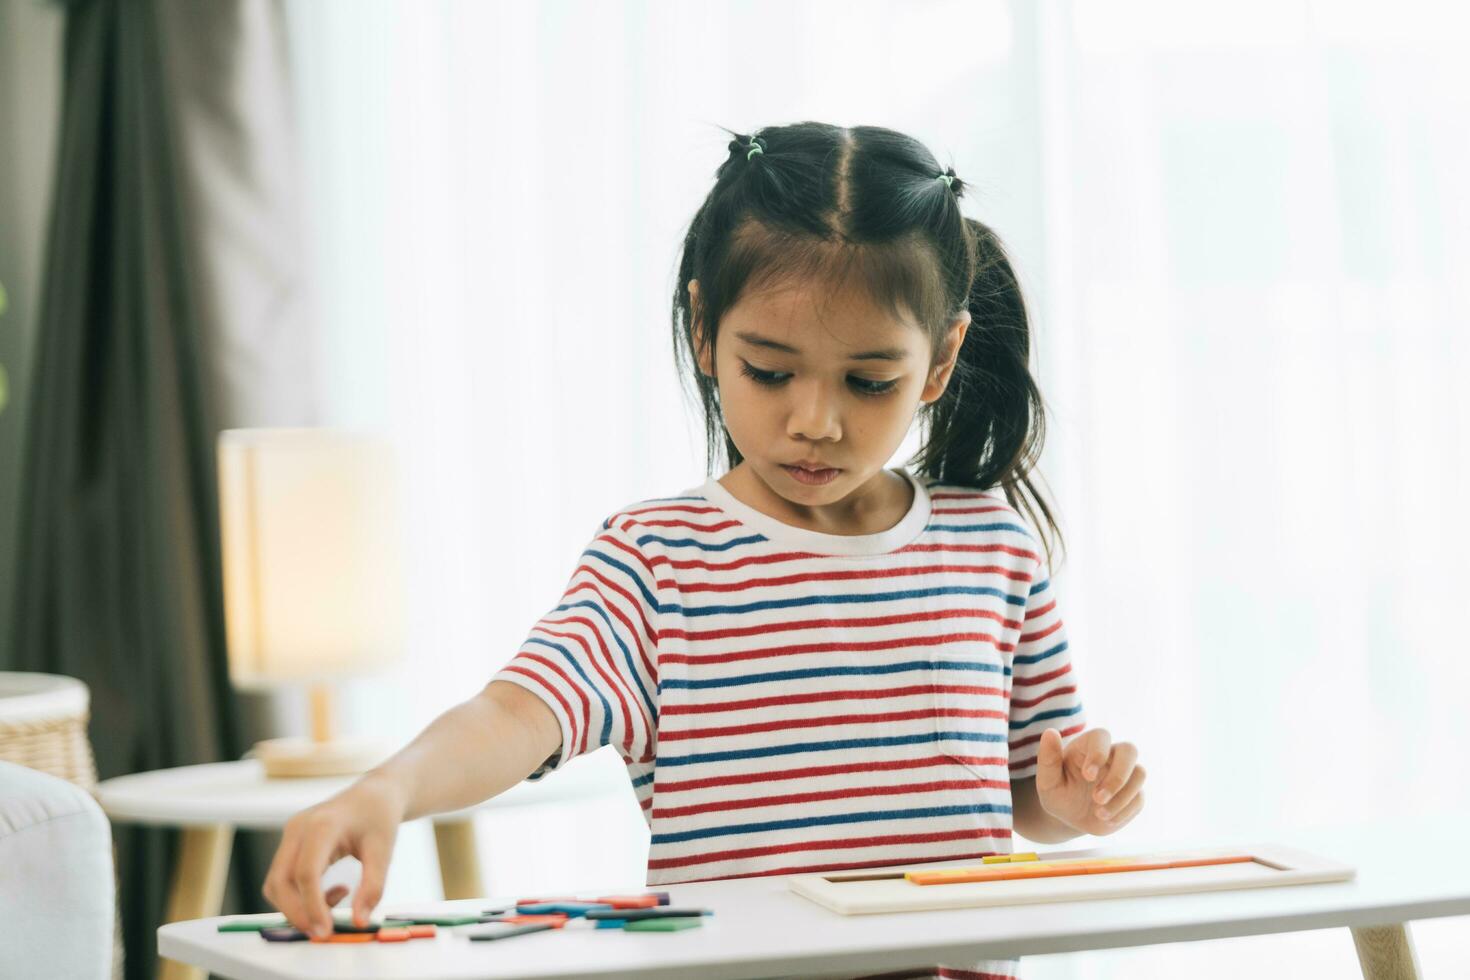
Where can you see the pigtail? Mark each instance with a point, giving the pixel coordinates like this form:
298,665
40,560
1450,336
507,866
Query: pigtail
988,427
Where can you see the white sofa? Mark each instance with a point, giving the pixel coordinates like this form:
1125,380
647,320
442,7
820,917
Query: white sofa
56,879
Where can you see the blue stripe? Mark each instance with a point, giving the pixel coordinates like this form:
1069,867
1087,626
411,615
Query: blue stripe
979,527
816,600
829,820
1039,586
606,708
798,748
787,675
692,543
627,654
642,780
1031,658
1047,715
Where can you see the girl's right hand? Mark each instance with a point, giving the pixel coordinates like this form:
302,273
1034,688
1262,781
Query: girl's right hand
361,821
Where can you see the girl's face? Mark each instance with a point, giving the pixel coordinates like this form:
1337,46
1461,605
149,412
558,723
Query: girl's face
818,389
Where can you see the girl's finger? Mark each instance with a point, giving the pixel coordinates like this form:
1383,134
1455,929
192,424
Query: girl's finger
375,856
1049,759
306,877
278,890
1125,795
1089,752
1126,814
335,894
1117,772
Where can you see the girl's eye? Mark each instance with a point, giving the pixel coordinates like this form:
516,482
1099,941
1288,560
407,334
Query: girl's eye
869,387
760,377
863,386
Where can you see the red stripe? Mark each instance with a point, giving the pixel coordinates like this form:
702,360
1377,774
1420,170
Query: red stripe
659,508
1033,702
1021,743
846,575
725,566
1019,681
846,792
808,624
784,724
971,549
1041,634
1041,610
677,523
765,653
818,696
969,510
1002,833
809,772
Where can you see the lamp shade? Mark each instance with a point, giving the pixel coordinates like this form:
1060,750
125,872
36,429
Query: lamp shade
311,532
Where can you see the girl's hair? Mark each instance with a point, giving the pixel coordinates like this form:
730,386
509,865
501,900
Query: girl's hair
810,201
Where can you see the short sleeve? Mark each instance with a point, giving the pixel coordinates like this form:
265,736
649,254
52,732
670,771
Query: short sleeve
1043,686
592,659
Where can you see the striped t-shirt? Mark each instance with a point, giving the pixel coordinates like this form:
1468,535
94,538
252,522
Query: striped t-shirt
791,701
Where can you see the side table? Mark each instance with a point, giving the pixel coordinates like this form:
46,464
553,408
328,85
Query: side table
209,802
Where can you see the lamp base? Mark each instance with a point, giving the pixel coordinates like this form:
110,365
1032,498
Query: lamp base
296,757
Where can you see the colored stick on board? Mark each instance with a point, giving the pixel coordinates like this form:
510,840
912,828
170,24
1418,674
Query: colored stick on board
1058,869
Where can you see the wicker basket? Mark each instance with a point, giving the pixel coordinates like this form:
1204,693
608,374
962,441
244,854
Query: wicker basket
43,725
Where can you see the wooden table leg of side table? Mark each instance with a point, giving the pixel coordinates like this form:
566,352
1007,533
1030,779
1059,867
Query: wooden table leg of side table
198,885
1385,953
459,860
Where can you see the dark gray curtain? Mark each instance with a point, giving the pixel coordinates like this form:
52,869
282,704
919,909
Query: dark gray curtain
171,308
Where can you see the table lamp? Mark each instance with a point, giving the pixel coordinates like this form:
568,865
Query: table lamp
310,529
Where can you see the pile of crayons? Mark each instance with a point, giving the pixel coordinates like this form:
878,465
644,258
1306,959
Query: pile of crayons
650,912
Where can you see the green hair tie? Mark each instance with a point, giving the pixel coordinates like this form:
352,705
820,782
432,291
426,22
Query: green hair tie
948,180
754,149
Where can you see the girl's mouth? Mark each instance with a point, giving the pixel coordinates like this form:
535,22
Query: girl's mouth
812,478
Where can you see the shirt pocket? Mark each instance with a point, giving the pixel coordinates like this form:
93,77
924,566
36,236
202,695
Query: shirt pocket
970,680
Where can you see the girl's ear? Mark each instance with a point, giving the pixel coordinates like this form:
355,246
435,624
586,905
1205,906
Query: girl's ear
940,373
704,355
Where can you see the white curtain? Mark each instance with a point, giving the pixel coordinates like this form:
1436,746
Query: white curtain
1257,326
1243,229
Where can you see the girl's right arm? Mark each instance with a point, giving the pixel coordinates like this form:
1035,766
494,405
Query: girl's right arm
470,753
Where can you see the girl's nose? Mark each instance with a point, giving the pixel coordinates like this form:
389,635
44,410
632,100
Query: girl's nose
813,414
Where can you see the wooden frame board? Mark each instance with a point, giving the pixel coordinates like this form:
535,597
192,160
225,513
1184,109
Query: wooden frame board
865,891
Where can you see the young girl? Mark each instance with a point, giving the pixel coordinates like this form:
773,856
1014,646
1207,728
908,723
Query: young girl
812,662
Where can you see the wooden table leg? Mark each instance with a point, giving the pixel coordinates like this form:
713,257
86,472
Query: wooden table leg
198,886
459,860
1385,953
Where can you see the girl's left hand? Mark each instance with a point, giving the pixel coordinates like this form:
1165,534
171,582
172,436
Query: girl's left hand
1092,785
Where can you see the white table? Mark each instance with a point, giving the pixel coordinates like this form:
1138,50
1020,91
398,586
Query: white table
209,802
760,929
